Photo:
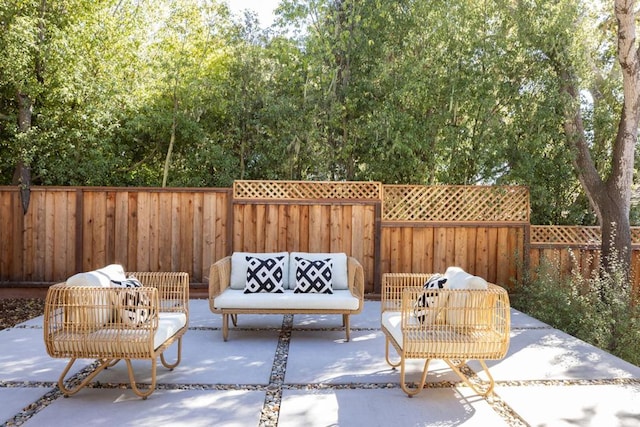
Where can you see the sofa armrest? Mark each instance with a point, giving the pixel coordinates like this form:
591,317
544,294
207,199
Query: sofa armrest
219,279
356,278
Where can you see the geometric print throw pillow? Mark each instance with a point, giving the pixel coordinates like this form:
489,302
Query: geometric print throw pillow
428,298
265,275
135,305
314,276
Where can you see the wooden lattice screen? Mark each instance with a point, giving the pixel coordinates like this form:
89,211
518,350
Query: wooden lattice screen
558,235
306,190
456,203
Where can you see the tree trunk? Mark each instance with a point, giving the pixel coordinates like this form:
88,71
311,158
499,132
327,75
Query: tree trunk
22,172
172,140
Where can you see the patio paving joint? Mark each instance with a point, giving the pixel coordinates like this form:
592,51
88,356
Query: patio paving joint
273,398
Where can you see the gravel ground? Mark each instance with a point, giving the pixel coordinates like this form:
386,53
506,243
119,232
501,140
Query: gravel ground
17,310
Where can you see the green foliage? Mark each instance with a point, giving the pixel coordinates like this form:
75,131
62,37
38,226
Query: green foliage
600,309
395,91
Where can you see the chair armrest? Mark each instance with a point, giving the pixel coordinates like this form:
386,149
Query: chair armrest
459,310
219,279
394,283
173,289
75,316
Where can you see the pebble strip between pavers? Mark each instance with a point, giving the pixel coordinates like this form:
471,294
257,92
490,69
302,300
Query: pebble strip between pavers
273,397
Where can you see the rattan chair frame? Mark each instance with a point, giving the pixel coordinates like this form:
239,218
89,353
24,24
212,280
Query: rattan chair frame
462,325
220,278
83,323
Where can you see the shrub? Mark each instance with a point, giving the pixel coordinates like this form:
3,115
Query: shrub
599,309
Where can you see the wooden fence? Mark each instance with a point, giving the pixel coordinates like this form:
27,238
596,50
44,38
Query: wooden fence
388,228
479,228
66,230
575,249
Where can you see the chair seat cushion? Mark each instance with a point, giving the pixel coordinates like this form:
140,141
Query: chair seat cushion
108,342
443,341
236,299
168,325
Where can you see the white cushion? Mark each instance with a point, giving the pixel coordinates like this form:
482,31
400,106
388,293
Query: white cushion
440,342
101,278
392,322
239,266
340,277
458,279
136,339
339,300
168,325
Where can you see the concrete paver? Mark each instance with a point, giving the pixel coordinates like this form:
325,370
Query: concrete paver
547,379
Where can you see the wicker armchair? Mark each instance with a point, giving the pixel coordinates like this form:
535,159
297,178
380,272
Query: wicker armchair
110,324
458,325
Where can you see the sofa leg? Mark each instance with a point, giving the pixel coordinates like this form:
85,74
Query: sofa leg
347,327
225,326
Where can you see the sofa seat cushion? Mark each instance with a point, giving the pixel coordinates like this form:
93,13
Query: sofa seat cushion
235,299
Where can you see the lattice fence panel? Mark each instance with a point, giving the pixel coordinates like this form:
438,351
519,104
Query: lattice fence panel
565,235
455,203
572,235
306,190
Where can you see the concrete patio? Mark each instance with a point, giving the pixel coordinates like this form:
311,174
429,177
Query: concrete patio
299,371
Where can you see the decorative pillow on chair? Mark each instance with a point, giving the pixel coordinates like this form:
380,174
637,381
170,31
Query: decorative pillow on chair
265,275
134,305
429,298
314,276
100,311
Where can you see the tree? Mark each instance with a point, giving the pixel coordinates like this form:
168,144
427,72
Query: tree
607,185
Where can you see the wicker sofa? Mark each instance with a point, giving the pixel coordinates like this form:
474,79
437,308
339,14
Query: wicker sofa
231,292
456,324
88,317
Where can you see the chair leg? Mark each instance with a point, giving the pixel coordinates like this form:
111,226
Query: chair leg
386,354
234,319
412,392
482,390
146,393
170,366
104,364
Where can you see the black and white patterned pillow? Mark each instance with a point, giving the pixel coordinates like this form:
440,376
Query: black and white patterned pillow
265,275
428,298
134,306
314,276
